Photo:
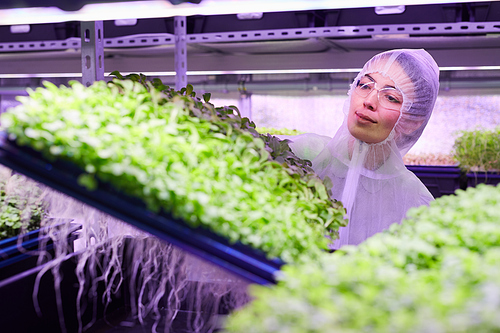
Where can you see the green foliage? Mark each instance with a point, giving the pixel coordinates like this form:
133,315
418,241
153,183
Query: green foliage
21,209
437,272
478,150
204,164
280,131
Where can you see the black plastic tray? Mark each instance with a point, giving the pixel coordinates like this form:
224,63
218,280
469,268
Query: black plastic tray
439,180
242,260
17,248
488,178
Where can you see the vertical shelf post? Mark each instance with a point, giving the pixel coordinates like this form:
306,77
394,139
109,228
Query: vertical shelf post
180,52
92,52
245,105
245,100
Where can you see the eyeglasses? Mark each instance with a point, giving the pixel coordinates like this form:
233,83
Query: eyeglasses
389,98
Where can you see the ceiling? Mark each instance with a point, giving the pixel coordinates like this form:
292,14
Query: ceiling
329,45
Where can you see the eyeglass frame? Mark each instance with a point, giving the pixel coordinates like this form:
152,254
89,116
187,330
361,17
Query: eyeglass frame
359,93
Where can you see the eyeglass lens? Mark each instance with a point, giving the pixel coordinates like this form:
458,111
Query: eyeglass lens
389,98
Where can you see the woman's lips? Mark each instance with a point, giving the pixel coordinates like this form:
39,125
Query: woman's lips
364,118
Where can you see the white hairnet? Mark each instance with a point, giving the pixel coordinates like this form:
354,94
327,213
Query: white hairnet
418,80
371,179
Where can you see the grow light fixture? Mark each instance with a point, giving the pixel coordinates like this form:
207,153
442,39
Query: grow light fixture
239,72
389,10
39,75
20,29
303,71
470,68
249,16
162,8
125,22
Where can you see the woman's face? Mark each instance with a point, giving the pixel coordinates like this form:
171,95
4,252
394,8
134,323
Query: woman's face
374,108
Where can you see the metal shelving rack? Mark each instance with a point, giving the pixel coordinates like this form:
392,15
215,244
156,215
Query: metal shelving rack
329,43
456,40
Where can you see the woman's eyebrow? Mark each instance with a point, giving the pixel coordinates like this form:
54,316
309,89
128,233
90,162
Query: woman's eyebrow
373,80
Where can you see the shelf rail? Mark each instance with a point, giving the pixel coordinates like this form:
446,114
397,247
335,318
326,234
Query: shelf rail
158,39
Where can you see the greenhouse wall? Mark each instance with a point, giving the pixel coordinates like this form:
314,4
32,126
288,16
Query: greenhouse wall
322,114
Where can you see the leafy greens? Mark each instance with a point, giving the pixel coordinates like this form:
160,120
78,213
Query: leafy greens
180,154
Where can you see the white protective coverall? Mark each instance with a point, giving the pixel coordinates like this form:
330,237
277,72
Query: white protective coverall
371,180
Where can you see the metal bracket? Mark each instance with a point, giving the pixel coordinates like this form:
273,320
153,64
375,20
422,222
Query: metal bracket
92,44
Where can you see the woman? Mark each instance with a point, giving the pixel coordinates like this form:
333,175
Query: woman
389,105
